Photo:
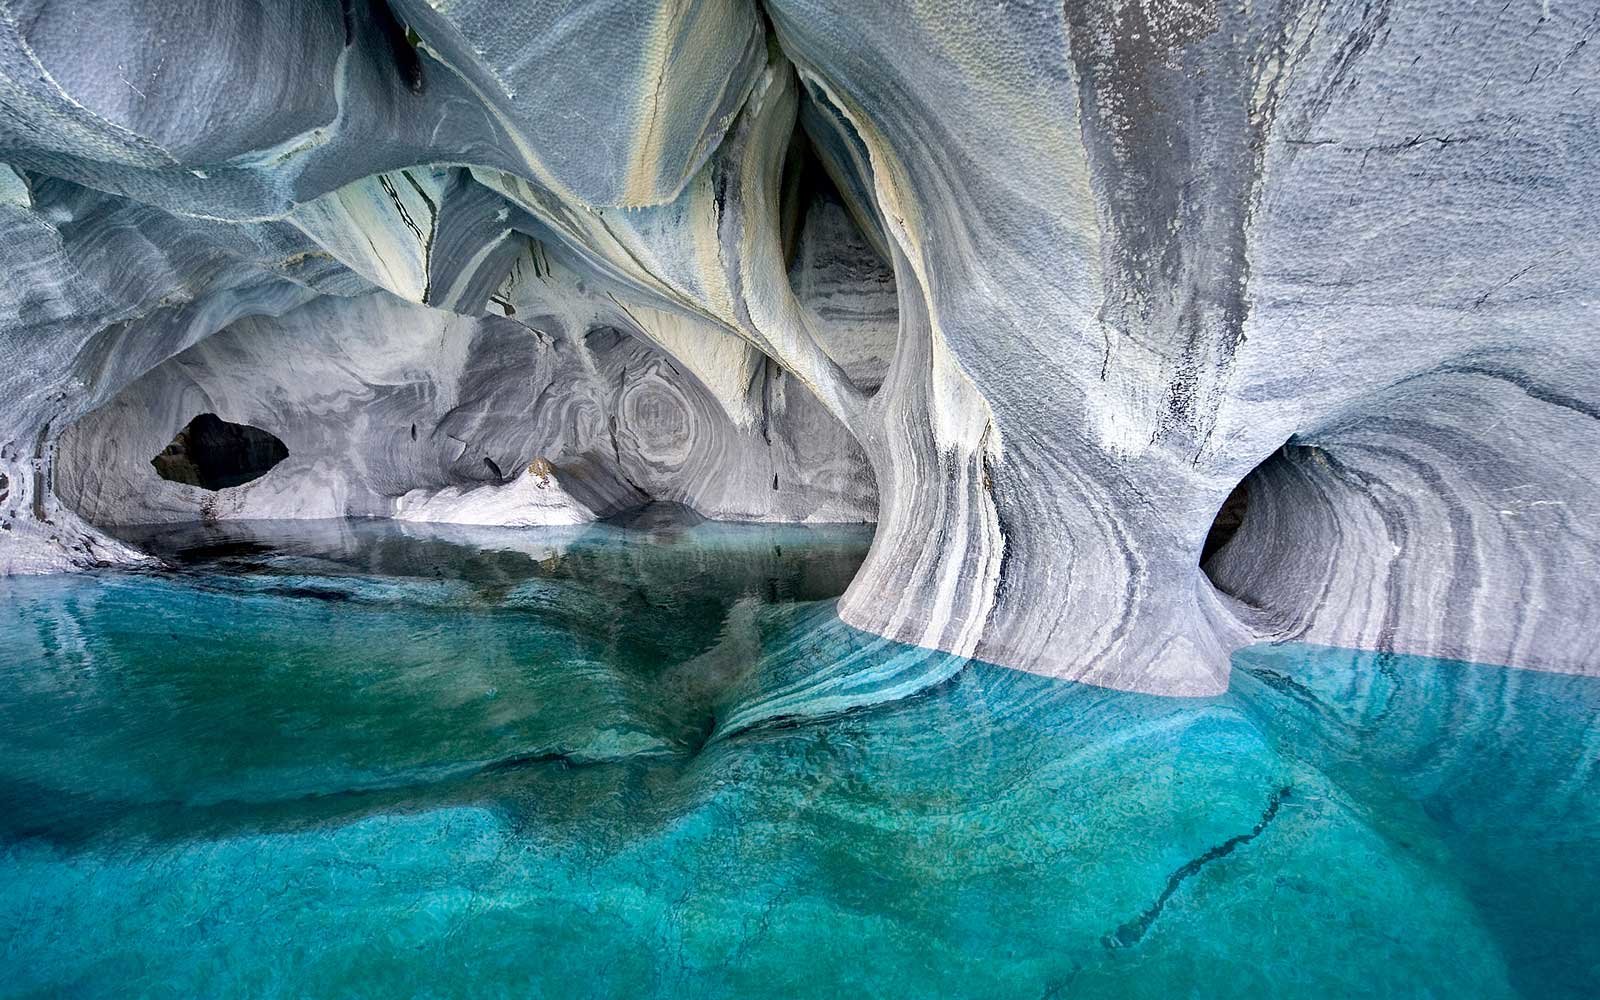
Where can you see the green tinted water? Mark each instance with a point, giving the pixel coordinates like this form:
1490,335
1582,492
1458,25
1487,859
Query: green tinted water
360,759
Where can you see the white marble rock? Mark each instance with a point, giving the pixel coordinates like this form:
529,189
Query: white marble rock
1033,286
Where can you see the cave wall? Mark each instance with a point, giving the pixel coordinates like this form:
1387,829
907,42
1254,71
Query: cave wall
392,409
1190,234
1136,253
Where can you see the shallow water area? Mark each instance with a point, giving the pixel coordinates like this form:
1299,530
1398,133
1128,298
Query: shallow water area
367,758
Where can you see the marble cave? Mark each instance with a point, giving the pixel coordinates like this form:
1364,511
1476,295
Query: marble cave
800,498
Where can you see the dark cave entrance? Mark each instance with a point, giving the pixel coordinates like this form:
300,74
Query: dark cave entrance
1249,535
837,257
1227,522
213,454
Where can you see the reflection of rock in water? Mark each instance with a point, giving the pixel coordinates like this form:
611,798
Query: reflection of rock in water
534,649
742,796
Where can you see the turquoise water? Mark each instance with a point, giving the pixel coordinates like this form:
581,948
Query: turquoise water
362,759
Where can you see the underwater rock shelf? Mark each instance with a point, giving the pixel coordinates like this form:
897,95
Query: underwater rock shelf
1034,288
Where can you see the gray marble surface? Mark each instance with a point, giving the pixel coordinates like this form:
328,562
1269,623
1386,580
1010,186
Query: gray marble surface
1034,287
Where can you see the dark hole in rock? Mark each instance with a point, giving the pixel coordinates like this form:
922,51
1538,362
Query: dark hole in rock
5,487
213,454
403,44
835,255
804,186
1227,521
801,182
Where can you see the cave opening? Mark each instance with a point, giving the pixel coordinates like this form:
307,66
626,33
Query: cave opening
837,269
1230,517
1249,536
214,454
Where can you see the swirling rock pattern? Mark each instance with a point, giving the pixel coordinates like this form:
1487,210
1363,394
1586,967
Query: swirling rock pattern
1038,285
392,409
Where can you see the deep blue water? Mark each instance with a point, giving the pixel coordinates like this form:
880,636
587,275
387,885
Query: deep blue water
364,759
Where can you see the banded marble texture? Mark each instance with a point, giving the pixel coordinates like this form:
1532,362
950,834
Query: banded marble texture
1035,286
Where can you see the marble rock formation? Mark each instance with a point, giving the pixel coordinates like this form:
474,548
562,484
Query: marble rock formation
1036,286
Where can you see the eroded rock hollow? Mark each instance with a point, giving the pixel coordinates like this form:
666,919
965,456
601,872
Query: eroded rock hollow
1036,287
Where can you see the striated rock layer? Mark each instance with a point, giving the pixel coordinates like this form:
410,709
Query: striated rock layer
1035,286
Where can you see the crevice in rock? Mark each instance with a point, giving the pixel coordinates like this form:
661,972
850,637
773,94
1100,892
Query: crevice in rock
403,44
835,271
40,484
213,454
803,180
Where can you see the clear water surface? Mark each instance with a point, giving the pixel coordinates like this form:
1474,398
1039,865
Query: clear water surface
367,759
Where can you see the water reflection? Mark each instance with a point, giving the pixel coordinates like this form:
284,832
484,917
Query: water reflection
353,757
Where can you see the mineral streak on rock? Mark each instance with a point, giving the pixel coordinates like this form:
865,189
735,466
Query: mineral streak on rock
1034,286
